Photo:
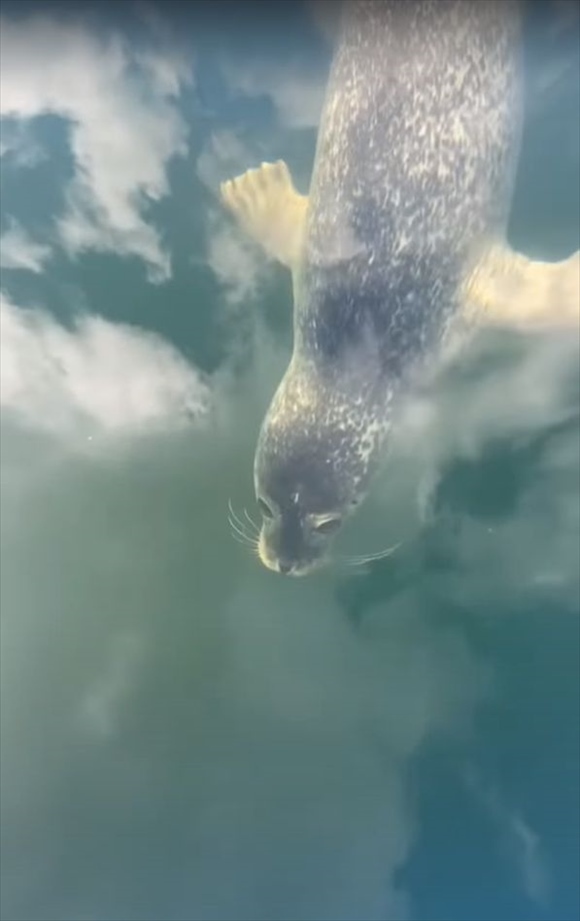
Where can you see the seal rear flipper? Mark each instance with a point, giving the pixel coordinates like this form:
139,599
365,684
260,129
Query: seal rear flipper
508,289
270,210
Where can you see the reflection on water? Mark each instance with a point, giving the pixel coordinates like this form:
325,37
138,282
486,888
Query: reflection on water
184,734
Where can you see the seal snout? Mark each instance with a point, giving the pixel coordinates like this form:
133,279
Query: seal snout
278,556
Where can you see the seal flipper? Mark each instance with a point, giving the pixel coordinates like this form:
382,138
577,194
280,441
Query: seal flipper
270,210
507,289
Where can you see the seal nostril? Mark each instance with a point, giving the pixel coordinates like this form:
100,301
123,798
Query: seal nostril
284,568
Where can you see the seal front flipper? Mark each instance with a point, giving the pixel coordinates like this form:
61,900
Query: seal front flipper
270,210
508,289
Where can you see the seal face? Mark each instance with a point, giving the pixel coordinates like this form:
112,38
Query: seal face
316,452
402,233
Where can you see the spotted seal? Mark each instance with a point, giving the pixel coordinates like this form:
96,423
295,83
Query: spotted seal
402,234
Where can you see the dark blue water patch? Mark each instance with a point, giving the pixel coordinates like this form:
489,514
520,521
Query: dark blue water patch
180,217
533,723
125,16
546,207
248,29
298,148
527,749
182,308
33,194
190,309
490,487
219,104
486,488
50,291
183,216
263,29
525,742
456,871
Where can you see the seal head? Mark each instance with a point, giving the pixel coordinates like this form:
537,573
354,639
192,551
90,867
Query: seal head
317,451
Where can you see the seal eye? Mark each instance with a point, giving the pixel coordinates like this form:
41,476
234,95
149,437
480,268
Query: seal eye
265,509
328,526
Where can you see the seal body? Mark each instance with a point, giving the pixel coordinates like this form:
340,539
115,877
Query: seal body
412,181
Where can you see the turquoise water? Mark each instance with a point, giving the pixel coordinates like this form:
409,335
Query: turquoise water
185,735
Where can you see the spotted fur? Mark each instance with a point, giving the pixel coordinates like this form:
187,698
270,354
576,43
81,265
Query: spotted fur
412,181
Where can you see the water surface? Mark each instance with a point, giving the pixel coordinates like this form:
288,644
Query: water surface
185,735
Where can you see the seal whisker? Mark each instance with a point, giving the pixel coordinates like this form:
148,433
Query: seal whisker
252,522
235,517
232,510
371,557
238,528
241,531
241,524
235,529
251,545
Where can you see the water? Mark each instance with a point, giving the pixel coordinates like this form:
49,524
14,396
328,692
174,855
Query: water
185,735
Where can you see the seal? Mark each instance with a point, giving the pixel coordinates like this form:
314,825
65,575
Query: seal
401,238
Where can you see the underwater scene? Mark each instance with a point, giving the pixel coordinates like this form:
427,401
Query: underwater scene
187,734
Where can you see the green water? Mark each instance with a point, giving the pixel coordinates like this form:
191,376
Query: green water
185,735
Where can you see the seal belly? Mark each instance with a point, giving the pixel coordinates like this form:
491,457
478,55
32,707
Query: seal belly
413,173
